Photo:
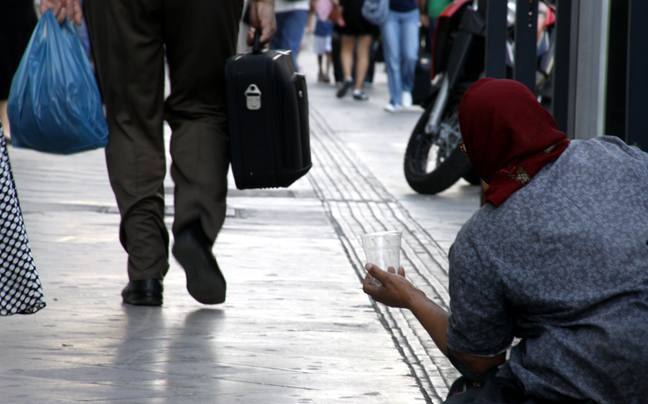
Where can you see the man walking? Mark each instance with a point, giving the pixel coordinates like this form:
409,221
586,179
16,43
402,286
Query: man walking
131,41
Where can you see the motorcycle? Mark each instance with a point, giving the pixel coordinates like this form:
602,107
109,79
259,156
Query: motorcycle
433,160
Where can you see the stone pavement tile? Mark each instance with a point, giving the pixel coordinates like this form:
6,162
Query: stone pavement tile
296,326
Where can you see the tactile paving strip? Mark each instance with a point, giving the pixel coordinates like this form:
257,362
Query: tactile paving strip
356,202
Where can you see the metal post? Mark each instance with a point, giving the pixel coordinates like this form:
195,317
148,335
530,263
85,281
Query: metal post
496,39
637,84
617,69
526,21
564,81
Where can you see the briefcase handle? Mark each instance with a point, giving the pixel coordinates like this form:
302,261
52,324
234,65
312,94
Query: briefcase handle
256,48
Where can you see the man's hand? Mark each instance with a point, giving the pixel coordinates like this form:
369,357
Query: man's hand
262,16
395,291
425,21
64,8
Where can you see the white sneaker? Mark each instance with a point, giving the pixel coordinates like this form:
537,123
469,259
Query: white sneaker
407,99
392,108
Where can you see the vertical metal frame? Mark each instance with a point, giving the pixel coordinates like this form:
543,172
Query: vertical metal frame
496,39
637,80
564,85
526,22
617,70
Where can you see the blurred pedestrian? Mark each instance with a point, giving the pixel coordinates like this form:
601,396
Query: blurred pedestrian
131,41
557,258
17,22
400,39
323,48
357,36
292,17
430,10
20,287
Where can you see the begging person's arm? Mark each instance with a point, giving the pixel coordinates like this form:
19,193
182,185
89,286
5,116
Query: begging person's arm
478,365
397,291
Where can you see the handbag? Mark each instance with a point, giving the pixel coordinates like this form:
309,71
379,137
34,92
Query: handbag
375,11
327,10
54,102
336,15
21,291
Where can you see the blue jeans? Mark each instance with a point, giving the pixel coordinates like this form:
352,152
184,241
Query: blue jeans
290,30
400,36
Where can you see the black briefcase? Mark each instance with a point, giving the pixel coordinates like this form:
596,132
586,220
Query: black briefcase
268,119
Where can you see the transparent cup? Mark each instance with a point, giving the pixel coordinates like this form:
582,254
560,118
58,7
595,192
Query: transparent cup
382,249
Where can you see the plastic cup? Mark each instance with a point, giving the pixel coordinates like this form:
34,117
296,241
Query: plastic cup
382,249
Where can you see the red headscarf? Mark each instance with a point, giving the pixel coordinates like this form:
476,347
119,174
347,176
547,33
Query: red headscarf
508,135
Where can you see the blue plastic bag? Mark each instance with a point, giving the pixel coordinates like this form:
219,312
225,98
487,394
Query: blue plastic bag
54,102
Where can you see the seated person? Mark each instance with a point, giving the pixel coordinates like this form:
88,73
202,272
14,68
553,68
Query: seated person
557,257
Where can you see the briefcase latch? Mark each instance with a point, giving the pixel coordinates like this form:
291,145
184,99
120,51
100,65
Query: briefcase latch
253,97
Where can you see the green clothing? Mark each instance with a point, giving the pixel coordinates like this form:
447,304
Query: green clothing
436,6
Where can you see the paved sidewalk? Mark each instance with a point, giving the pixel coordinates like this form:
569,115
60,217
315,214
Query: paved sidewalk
296,327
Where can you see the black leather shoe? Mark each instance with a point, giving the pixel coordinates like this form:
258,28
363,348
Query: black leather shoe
205,282
346,85
145,292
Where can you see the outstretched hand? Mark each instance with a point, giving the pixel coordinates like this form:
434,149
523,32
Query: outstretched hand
62,9
395,291
262,16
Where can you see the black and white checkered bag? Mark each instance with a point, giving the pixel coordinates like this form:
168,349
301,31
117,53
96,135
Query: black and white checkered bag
20,287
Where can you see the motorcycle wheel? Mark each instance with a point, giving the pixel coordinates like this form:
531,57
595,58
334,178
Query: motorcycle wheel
433,161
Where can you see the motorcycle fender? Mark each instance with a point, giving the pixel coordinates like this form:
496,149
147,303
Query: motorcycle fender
472,22
471,25
452,8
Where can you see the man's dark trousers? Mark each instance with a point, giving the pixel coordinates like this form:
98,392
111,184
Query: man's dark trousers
130,41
